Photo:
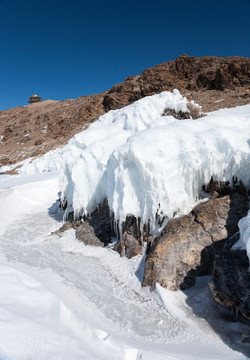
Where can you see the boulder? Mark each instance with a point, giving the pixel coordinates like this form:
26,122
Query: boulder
96,229
230,284
131,238
188,244
92,230
86,234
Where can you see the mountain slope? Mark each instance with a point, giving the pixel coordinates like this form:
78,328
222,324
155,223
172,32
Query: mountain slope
35,129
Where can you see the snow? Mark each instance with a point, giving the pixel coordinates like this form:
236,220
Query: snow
23,199
61,299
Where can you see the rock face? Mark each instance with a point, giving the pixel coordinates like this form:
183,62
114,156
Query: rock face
130,242
131,238
86,234
188,244
184,73
96,230
211,82
230,284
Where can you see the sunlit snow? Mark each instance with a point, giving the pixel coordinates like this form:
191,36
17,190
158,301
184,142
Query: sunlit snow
144,163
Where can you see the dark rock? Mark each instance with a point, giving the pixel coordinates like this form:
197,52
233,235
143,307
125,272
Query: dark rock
216,188
177,115
93,230
96,229
188,244
230,284
100,221
86,234
130,243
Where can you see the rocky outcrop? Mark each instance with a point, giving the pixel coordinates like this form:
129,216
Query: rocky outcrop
130,242
85,233
184,73
93,230
230,284
131,238
188,245
96,229
211,82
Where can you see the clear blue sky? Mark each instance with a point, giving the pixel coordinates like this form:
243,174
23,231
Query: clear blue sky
63,49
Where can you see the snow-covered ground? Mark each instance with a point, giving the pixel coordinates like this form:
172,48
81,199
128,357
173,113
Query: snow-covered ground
60,299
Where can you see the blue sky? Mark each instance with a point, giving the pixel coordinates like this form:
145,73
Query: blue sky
66,49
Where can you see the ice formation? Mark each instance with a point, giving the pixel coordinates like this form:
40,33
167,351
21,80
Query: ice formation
147,164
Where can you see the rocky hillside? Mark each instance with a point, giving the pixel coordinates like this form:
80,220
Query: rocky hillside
37,128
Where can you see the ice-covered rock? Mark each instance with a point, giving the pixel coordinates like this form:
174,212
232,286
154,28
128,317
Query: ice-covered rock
152,166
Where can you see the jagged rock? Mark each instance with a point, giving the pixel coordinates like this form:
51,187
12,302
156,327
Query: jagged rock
93,230
66,226
100,221
175,253
96,229
188,244
215,187
128,246
130,243
230,284
179,116
86,234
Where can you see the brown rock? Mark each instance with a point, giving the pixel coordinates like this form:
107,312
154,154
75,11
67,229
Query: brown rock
86,234
175,253
130,243
188,244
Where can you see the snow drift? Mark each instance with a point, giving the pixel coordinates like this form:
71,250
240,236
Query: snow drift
147,164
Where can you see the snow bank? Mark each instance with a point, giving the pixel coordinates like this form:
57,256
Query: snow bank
18,197
35,323
145,163
51,161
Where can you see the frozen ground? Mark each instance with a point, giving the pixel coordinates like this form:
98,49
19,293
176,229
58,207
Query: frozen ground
61,299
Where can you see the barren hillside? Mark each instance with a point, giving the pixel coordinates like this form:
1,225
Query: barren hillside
35,129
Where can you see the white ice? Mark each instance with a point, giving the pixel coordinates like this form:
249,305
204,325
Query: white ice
146,164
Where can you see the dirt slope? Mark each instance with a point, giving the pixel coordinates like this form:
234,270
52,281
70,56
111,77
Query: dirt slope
35,129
